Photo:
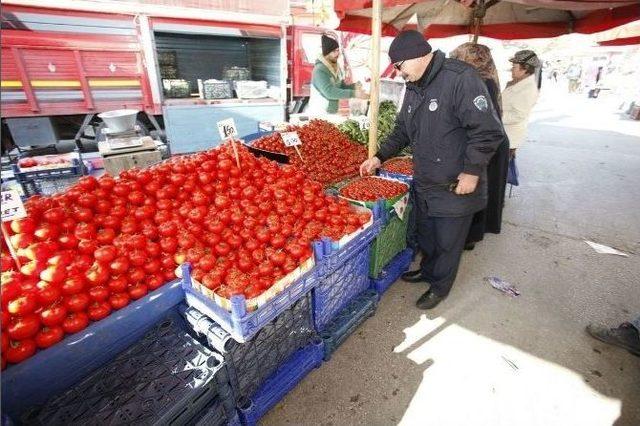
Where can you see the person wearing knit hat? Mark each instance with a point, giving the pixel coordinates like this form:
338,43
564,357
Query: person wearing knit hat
451,124
327,82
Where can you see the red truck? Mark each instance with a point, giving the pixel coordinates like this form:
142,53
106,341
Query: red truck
74,60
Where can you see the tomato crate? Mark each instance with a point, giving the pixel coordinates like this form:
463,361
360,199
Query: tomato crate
166,378
348,320
281,382
234,315
342,284
387,203
49,181
392,271
251,363
391,240
55,369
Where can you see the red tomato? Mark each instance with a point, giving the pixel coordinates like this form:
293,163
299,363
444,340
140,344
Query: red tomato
75,322
53,315
97,275
105,254
47,293
119,300
99,293
73,285
20,350
85,231
106,236
49,336
120,265
137,258
118,284
77,302
138,291
54,274
155,281
98,310
24,327
23,305
23,226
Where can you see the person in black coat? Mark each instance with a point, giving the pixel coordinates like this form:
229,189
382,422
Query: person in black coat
449,120
489,219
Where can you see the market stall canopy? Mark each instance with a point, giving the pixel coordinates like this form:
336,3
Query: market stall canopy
506,19
626,35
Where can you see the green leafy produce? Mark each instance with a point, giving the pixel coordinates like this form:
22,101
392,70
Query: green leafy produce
386,120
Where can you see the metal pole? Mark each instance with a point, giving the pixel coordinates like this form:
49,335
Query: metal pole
376,30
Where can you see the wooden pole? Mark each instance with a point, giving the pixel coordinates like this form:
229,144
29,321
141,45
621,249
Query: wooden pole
376,30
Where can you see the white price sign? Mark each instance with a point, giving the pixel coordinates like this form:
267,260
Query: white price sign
12,207
227,128
364,122
291,138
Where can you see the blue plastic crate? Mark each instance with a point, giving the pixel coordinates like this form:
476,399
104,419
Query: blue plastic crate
392,271
215,414
348,320
345,274
166,378
334,257
281,382
398,176
57,368
239,323
251,363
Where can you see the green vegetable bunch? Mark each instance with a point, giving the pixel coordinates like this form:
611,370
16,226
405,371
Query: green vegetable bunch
386,120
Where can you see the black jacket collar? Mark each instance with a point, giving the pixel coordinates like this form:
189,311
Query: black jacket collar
429,74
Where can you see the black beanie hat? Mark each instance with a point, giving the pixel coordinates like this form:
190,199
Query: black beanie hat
328,45
408,44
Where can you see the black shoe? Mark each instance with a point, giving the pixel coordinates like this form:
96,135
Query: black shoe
625,336
413,276
429,300
469,246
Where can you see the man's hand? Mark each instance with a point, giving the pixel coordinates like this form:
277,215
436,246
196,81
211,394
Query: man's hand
466,184
369,166
512,153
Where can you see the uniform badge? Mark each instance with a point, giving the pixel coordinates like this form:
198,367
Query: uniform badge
481,103
433,105
409,109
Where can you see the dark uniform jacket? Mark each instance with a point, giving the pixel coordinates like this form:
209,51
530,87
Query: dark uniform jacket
449,120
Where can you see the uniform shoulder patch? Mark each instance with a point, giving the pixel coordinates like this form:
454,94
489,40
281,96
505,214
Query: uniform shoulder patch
481,103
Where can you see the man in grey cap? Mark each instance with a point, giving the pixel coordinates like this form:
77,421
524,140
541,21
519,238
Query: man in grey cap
448,119
519,97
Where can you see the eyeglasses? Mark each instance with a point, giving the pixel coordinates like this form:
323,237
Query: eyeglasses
398,66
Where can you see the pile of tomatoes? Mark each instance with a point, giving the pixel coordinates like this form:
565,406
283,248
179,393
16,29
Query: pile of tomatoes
105,242
403,166
328,156
371,188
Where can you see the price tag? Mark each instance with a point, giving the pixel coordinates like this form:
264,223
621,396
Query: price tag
400,206
227,128
364,122
12,207
291,138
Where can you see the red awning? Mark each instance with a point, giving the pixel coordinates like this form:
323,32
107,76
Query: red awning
508,19
625,41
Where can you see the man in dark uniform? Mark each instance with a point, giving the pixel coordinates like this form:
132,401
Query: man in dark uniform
449,120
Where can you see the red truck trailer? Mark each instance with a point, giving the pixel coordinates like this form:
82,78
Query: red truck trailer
72,60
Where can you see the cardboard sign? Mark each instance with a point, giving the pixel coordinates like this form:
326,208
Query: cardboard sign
291,138
12,207
227,128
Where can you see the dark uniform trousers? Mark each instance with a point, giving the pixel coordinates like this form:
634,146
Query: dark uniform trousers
442,241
